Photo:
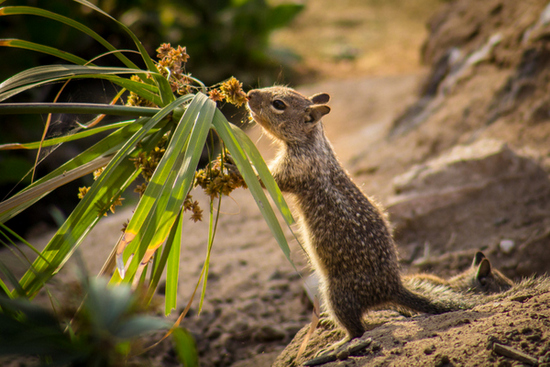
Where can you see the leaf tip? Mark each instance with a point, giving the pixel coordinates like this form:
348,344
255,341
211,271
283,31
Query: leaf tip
120,266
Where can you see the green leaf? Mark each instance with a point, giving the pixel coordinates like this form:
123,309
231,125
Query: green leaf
159,263
106,306
17,43
86,162
41,75
241,160
64,139
282,14
140,325
118,174
32,193
173,244
76,108
263,173
11,278
166,192
28,10
185,347
164,86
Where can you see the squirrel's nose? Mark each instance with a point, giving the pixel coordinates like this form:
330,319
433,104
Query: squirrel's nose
251,94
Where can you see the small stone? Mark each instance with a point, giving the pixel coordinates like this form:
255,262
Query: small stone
429,350
507,246
526,331
490,341
441,360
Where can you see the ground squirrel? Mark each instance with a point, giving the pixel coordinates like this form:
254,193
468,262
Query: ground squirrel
345,234
479,278
471,287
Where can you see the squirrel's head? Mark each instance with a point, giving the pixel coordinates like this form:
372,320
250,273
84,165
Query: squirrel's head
487,279
286,114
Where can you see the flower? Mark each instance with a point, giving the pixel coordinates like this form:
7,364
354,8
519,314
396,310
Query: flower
82,191
232,92
215,95
164,50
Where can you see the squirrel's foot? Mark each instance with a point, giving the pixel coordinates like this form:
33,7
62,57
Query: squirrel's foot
325,321
340,351
341,345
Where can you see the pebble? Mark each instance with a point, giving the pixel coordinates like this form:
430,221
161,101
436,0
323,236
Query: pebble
507,246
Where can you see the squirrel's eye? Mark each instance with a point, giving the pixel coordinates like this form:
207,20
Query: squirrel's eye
278,104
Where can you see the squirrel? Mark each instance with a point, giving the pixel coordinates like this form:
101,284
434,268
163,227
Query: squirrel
480,278
345,234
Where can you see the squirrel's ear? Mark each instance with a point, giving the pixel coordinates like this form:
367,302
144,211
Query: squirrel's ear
320,98
484,269
477,258
315,112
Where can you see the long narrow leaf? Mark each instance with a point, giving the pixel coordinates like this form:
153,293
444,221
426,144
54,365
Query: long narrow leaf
14,205
28,10
164,87
84,163
170,249
41,75
171,182
211,234
17,43
65,139
173,267
106,188
233,145
263,173
76,108
160,178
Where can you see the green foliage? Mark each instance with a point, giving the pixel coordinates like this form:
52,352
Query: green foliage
103,332
224,36
166,139
232,34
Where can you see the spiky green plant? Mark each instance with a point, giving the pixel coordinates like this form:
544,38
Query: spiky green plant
152,237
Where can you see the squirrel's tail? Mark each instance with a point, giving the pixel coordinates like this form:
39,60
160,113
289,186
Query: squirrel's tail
432,304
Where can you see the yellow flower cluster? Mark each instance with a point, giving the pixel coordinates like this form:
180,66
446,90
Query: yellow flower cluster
193,206
135,99
172,67
116,201
220,177
148,163
231,91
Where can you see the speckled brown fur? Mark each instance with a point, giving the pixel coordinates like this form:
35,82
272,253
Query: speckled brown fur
345,234
479,278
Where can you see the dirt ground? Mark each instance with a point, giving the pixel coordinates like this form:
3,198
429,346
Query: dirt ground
486,79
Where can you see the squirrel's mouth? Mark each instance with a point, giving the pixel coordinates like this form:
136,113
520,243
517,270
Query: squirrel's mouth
259,120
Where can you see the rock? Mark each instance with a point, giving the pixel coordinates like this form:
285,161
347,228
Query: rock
448,178
268,334
507,246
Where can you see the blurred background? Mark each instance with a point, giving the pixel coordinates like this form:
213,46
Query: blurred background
260,42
